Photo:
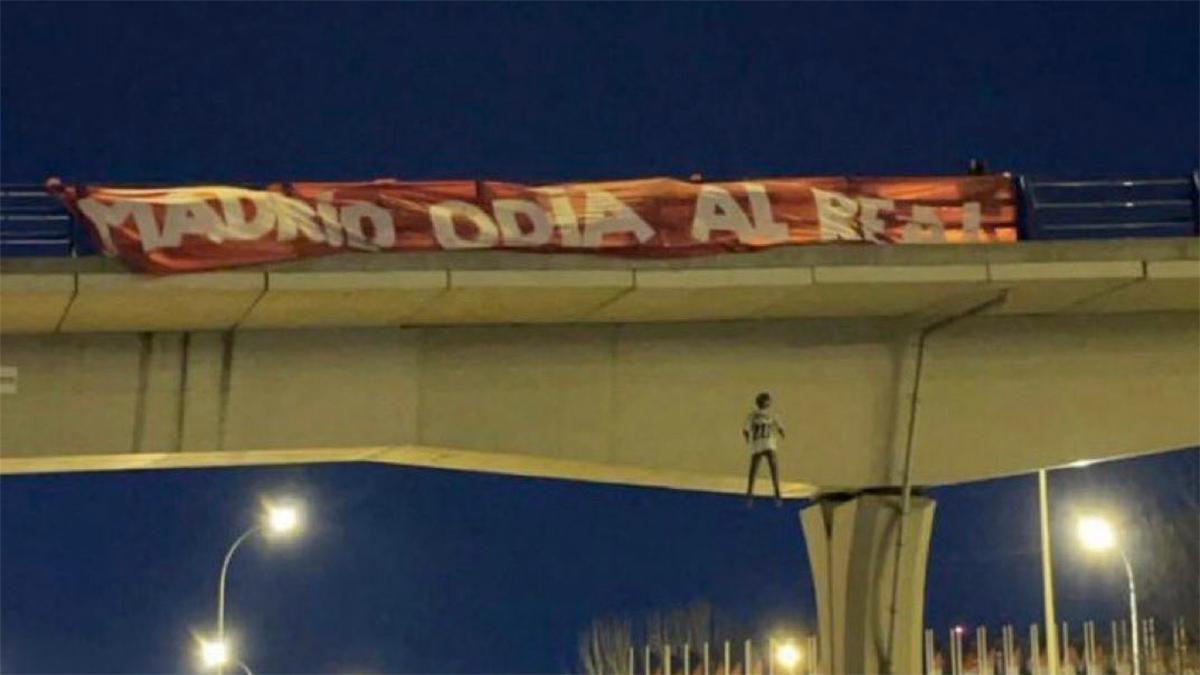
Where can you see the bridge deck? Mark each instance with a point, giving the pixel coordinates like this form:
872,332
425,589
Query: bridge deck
42,295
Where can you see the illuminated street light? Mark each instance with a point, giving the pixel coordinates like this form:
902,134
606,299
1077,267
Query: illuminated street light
1097,534
278,519
214,653
787,655
282,519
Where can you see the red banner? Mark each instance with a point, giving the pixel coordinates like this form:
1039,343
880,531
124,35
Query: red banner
204,227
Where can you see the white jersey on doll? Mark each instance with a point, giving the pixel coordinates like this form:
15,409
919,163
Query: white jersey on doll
762,429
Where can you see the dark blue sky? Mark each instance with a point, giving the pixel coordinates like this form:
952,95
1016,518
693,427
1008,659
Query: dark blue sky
183,91
415,570
426,571
402,570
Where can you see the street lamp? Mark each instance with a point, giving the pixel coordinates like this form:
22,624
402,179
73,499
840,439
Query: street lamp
1052,662
279,519
1097,534
282,519
214,653
787,655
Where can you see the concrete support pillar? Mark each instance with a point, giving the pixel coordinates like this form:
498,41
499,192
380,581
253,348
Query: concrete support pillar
159,397
851,543
205,382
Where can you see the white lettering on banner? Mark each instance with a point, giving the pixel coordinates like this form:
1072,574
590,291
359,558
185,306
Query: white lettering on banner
873,228
562,216
236,225
972,218
835,213
605,214
507,212
327,216
924,226
294,217
189,218
345,227
107,216
356,213
191,212
442,214
716,209
845,218
163,218
764,220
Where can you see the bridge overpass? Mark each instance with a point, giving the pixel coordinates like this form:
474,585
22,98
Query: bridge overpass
917,365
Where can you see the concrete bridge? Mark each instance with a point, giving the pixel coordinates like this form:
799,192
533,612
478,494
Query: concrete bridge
894,367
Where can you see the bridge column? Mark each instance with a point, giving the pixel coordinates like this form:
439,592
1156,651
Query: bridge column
851,541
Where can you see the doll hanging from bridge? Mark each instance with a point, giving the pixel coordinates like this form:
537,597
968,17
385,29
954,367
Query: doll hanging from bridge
760,432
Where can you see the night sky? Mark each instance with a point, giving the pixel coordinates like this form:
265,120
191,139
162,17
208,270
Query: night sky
412,570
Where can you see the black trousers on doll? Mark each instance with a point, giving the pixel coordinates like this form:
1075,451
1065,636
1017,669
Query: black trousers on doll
757,457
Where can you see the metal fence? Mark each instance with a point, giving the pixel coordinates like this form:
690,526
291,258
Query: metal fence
780,656
1109,209
1098,648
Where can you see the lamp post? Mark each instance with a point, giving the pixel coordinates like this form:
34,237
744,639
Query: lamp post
788,656
1047,579
277,520
1097,534
1052,660
213,654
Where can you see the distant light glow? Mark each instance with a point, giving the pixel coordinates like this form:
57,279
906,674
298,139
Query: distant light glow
1096,533
958,629
282,518
213,653
788,655
1081,463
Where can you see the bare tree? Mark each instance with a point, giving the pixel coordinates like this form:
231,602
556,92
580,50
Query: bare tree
693,624
604,647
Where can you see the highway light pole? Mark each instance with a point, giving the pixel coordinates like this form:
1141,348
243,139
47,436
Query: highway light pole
277,520
1047,581
221,586
787,655
1097,534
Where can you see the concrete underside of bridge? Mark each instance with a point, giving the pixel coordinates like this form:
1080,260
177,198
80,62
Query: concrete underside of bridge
633,373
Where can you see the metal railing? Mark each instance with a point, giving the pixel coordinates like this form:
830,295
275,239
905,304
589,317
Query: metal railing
1105,209
1099,648
1095,651
35,223
797,655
